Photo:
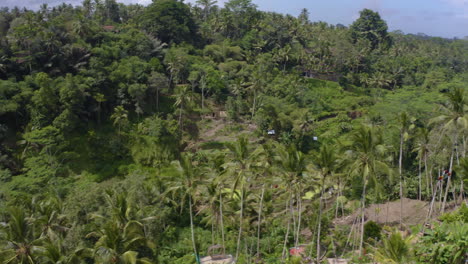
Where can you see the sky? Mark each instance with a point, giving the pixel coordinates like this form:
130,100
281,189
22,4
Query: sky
443,18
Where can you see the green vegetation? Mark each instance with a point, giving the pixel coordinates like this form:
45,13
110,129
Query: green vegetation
133,134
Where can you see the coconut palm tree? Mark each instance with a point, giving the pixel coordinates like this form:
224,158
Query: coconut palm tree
395,249
265,155
18,243
326,163
183,99
367,151
206,5
462,170
404,126
121,245
454,120
238,165
293,165
120,117
184,185
50,218
422,147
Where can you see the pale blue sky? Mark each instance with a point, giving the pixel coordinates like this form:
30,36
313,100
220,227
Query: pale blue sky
445,18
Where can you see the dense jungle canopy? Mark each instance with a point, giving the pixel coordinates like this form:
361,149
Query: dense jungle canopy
149,134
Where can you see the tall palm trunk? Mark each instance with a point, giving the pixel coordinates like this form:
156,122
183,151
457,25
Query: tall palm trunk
400,165
448,183
203,97
180,115
222,221
283,255
192,230
299,216
241,218
419,179
434,194
427,174
254,103
361,243
260,220
319,224
157,99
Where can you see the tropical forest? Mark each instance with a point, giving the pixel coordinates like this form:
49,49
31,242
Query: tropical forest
208,133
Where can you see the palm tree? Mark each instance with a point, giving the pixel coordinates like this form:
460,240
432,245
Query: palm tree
239,166
54,252
395,249
265,155
206,5
183,99
422,148
185,185
120,117
50,218
462,170
255,87
121,245
157,82
212,206
19,245
454,120
293,164
367,151
326,163
404,126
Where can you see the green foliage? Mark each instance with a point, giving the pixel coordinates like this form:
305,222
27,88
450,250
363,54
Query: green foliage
395,249
170,21
460,215
155,142
370,27
372,231
108,96
447,243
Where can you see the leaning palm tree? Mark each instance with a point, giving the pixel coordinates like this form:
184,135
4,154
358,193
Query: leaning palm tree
454,120
367,151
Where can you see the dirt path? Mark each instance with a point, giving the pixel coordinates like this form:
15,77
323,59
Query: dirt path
217,125
414,212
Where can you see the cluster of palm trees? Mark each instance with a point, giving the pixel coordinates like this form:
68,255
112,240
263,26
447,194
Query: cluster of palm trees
38,234
246,194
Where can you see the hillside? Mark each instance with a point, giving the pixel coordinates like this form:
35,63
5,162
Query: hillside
171,132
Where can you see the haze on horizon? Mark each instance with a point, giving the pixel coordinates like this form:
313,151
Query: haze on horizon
442,18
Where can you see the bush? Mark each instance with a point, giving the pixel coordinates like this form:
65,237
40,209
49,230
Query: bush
460,215
372,231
